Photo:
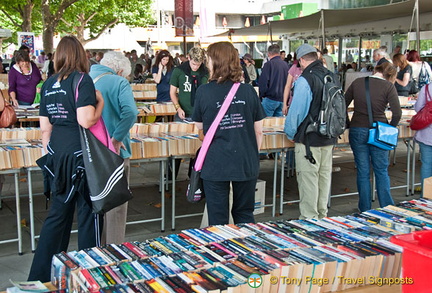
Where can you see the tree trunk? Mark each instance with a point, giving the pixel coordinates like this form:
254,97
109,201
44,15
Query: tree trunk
26,25
51,20
48,38
79,30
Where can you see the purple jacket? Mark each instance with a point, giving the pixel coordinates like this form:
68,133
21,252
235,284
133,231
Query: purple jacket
423,135
24,85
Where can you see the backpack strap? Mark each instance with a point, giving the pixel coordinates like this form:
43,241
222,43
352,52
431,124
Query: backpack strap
96,79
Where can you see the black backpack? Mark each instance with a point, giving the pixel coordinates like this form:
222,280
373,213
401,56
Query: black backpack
331,120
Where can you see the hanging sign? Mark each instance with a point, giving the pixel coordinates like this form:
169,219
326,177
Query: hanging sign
183,20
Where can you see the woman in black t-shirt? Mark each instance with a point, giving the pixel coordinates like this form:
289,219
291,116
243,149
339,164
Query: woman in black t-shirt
60,117
233,154
404,76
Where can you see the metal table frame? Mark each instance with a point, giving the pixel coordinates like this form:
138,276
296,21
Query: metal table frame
18,209
161,160
275,174
410,177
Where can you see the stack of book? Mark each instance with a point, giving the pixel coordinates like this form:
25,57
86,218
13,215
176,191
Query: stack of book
19,152
28,133
149,108
327,255
161,128
145,91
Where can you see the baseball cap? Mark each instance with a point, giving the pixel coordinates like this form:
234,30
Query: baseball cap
305,49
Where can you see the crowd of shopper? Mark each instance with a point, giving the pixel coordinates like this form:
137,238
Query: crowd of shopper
197,84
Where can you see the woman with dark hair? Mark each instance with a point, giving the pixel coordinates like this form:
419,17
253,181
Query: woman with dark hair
232,157
404,75
60,117
162,71
382,93
23,77
417,65
138,76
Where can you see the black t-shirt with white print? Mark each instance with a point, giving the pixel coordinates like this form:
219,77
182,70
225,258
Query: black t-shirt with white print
58,104
233,153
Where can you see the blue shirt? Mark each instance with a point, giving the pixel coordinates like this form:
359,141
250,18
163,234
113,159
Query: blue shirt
120,111
299,108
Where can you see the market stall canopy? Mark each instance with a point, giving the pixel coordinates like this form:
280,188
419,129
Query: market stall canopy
376,20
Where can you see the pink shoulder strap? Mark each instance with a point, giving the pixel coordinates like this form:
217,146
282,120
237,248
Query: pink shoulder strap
213,127
99,130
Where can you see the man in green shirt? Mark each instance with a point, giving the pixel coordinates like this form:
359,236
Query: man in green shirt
186,78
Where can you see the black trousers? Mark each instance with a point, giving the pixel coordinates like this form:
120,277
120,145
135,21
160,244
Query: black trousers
57,227
217,197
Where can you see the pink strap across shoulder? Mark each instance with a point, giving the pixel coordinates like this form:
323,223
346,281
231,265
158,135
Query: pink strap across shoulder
99,129
213,127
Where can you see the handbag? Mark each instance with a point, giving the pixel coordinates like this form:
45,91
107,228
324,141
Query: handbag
413,87
424,77
381,135
8,115
104,169
195,191
423,118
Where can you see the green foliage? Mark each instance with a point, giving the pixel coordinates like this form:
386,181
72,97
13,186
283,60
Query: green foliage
12,17
100,15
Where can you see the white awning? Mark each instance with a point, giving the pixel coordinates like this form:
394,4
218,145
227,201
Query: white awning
372,20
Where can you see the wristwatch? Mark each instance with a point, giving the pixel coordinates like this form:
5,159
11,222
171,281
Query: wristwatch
176,106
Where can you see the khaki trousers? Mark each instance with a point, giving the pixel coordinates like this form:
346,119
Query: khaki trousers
314,180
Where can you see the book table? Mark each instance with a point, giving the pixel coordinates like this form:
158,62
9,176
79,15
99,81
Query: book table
366,289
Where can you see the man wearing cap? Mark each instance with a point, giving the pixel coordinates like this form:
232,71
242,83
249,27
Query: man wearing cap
272,82
313,176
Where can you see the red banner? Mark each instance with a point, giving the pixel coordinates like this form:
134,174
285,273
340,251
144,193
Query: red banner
183,21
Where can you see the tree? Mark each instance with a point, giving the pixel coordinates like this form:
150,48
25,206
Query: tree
52,13
20,13
98,16
20,16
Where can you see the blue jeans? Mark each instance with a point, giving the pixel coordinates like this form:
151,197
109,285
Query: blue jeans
364,155
272,108
426,160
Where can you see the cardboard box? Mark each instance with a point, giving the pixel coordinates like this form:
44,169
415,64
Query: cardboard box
427,188
259,197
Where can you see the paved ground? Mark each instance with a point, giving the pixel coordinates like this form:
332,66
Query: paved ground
146,204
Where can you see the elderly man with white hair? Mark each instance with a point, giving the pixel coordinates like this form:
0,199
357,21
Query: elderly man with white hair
380,56
119,114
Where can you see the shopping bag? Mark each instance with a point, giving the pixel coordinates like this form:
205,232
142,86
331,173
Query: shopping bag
383,135
195,190
105,174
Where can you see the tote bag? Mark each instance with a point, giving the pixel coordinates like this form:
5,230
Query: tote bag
105,172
